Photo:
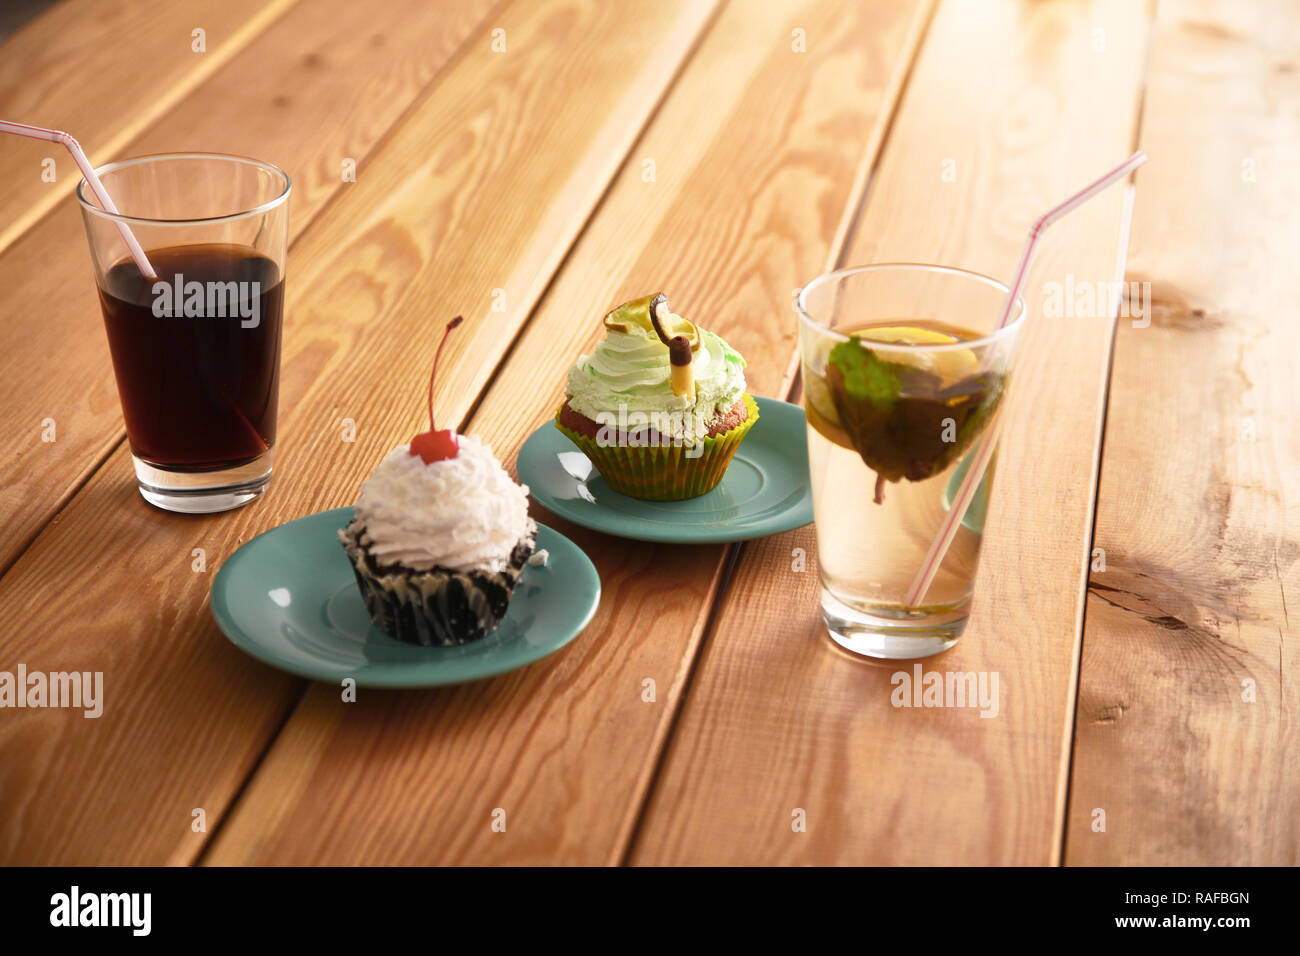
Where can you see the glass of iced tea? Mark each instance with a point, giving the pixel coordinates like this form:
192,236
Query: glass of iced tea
196,350
904,369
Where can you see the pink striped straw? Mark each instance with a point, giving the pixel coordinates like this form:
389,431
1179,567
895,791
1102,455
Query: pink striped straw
984,450
92,180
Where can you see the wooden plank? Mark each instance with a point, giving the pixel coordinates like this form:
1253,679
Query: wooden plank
757,153
351,73
484,183
1197,507
778,721
78,67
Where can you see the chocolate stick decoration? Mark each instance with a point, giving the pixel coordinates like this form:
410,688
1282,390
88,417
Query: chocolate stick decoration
681,374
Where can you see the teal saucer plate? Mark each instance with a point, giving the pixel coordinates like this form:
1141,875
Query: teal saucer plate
289,598
766,489
973,520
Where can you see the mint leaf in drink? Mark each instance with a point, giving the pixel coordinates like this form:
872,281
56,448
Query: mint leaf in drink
860,375
900,419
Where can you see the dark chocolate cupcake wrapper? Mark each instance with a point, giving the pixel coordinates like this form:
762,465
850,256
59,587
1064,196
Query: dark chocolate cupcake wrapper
441,607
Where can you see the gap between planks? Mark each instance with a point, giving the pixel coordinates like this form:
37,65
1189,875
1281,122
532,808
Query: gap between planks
115,443
1121,270
596,207
211,64
730,559
1075,659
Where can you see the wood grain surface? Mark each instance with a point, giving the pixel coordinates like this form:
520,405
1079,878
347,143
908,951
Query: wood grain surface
1186,750
757,156
354,73
531,163
781,728
187,714
103,72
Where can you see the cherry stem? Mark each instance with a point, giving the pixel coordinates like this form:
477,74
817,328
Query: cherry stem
437,355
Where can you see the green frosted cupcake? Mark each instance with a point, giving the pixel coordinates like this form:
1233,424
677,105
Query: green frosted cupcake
660,407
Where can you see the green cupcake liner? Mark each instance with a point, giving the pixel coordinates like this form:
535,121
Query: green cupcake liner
665,473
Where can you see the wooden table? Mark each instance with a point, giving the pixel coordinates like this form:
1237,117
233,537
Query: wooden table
530,163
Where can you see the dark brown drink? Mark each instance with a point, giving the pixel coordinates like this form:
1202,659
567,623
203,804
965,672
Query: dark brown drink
197,361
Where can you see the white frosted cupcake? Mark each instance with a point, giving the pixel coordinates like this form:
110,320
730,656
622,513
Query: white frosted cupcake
439,538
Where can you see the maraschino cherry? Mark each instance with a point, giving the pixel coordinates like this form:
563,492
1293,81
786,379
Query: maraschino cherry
435,445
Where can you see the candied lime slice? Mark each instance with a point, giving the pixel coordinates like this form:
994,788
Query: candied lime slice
636,315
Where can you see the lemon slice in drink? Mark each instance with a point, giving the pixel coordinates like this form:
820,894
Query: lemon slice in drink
951,365
906,335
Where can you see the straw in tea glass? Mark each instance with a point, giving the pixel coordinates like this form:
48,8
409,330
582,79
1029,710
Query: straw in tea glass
903,369
934,556
905,373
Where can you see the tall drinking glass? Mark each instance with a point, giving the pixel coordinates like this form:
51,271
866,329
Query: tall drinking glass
903,370
196,352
